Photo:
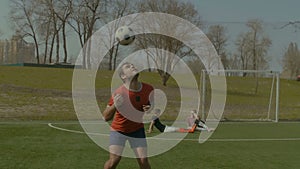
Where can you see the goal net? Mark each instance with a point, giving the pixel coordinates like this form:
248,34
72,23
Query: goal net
251,95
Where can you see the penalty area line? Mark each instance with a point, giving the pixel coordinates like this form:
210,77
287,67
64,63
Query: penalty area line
186,139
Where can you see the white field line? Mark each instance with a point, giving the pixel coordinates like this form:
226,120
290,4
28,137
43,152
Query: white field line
75,131
210,140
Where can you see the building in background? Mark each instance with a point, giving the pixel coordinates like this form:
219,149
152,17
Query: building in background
16,51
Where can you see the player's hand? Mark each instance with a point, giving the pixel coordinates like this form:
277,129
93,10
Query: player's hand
118,100
146,108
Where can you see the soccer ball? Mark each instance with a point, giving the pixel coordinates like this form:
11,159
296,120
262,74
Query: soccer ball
124,35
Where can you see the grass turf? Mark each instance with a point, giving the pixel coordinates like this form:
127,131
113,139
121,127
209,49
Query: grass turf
45,94
36,145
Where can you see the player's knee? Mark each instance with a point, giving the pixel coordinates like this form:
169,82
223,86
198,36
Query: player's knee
112,163
144,162
116,160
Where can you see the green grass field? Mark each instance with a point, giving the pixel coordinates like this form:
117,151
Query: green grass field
30,98
233,145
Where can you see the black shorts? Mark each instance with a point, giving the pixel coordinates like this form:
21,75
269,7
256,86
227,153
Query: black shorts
136,138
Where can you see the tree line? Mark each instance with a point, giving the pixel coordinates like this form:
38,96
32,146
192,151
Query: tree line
49,23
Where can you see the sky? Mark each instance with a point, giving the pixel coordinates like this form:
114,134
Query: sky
232,14
4,25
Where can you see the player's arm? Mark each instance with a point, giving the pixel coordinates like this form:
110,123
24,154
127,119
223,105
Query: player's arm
151,127
147,108
110,110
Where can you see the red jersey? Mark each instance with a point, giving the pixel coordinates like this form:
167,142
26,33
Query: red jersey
129,117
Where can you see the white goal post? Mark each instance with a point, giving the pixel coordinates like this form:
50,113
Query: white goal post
252,95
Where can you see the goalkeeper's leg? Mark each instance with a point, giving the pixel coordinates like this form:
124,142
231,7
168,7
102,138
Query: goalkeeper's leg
191,130
170,129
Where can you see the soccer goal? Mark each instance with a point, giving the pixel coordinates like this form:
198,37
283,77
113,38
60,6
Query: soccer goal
251,95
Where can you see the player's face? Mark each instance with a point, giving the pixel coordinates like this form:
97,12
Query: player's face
129,71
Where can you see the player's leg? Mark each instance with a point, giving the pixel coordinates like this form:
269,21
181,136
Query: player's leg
138,143
114,157
186,130
193,128
170,129
142,159
117,143
201,126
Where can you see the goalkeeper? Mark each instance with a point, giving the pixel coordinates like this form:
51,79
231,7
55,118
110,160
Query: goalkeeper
165,128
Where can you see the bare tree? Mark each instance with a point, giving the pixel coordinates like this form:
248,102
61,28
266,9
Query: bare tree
233,61
22,14
243,54
47,28
115,9
196,65
217,35
44,30
259,44
252,47
162,60
54,22
62,11
291,60
83,21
